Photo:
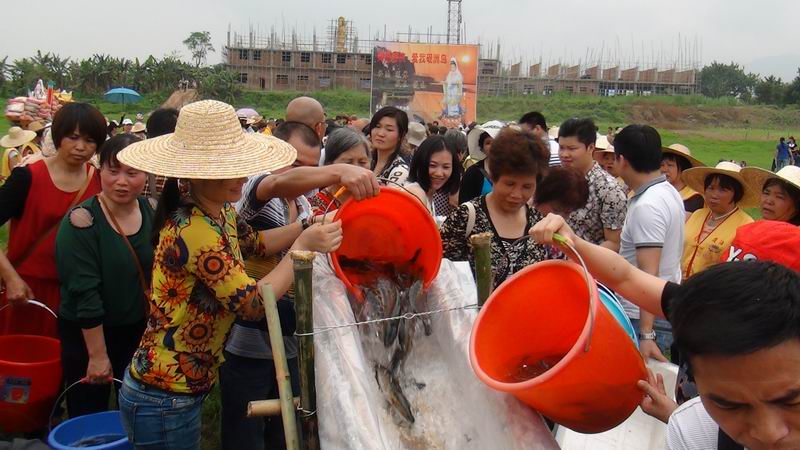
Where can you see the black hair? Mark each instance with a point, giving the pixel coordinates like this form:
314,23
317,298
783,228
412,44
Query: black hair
726,182
111,147
162,121
442,130
583,129
401,118
420,162
532,119
565,186
456,140
641,147
792,191
286,130
82,117
341,140
682,162
736,308
168,203
482,138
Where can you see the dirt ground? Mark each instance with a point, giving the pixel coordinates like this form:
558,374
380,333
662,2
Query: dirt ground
674,117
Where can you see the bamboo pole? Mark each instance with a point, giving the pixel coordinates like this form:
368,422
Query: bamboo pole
482,247
264,408
303,271
281,368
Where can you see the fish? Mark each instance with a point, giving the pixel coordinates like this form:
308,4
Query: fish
387,382
392,301
417,300
405,339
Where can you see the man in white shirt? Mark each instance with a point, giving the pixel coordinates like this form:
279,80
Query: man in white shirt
652,237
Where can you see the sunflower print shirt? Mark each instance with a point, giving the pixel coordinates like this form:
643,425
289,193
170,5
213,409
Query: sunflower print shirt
199,287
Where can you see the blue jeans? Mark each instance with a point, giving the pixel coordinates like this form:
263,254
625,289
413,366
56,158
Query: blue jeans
157,419
781,163
663,335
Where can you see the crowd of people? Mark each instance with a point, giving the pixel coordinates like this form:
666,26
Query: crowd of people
151,244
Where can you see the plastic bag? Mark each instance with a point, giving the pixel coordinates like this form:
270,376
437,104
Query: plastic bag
452,408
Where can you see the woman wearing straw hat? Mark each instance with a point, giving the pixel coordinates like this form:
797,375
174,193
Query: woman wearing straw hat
13,141
709,231
199,283
677,158
35,198
780,192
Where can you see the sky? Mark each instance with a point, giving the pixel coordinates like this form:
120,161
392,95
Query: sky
762,36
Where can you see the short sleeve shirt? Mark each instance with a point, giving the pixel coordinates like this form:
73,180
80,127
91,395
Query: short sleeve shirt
690,428
396,173
605,207
654,219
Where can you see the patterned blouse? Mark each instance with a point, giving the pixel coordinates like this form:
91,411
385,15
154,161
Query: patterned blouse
199,287
507,259
396,172
605,208
323,200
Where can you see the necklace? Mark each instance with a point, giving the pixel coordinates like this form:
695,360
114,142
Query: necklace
714,218
219,219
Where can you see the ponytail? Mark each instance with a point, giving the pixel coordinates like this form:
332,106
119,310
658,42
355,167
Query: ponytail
167,205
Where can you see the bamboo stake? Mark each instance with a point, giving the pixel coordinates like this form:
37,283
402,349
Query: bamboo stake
303,271
281,368
264,408
482,247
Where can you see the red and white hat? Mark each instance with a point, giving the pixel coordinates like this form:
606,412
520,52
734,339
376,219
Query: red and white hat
766,240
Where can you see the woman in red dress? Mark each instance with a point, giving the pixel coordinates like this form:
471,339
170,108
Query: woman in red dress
35,198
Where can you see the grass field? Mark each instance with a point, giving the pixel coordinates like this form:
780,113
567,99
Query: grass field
749,135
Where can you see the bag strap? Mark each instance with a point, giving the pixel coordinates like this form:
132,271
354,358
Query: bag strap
42,237
121,233
470,219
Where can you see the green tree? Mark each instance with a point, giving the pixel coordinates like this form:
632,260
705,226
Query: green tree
199,44
770,91
792,96
721,80
218,83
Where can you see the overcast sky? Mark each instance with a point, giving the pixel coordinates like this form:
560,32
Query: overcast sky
763,35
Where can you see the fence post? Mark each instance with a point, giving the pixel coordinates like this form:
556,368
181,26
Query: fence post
303,303
482,248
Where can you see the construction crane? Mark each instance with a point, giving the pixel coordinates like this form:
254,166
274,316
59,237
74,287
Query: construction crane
454,21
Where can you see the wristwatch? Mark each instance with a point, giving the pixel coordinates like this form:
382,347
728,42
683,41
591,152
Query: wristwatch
305,222
649,336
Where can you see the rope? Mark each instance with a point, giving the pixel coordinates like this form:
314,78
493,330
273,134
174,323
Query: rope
406,316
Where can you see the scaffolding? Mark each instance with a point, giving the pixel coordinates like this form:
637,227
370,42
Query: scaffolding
454,19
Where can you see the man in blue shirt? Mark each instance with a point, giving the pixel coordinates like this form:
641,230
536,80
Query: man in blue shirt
782,155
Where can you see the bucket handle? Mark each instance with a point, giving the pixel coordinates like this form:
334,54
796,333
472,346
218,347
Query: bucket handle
63,393
33,302
565,243
343,189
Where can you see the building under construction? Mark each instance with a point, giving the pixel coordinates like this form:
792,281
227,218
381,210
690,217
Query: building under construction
339,59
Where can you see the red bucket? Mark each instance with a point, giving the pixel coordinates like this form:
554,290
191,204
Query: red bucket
30,379
545,337
392,227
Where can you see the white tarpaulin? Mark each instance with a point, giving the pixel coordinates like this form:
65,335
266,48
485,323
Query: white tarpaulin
452,408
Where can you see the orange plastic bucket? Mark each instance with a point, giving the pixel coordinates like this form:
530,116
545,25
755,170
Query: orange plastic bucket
392,227
30,379
545,337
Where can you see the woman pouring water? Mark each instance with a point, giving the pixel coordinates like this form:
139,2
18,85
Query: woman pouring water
199,283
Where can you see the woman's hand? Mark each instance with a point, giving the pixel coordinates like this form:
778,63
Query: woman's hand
99,370
543,231
656,402
320,238
18,291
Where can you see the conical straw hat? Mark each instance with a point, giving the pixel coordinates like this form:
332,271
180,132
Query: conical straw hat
682,150
17,136
757,176
696,176
209,144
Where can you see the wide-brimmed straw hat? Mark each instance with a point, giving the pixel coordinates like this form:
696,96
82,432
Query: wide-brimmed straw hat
209,144
16,136
138,127
36,126
696,176
757,176
474,137
602,145
416,133
682,150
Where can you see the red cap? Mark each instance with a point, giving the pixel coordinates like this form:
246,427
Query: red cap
766,240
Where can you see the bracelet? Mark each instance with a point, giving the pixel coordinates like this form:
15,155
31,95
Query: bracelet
648,336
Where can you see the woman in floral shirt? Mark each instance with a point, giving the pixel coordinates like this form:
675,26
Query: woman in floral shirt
518,161
199,284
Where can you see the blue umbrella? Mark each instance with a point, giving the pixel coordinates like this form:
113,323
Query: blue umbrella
122,95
